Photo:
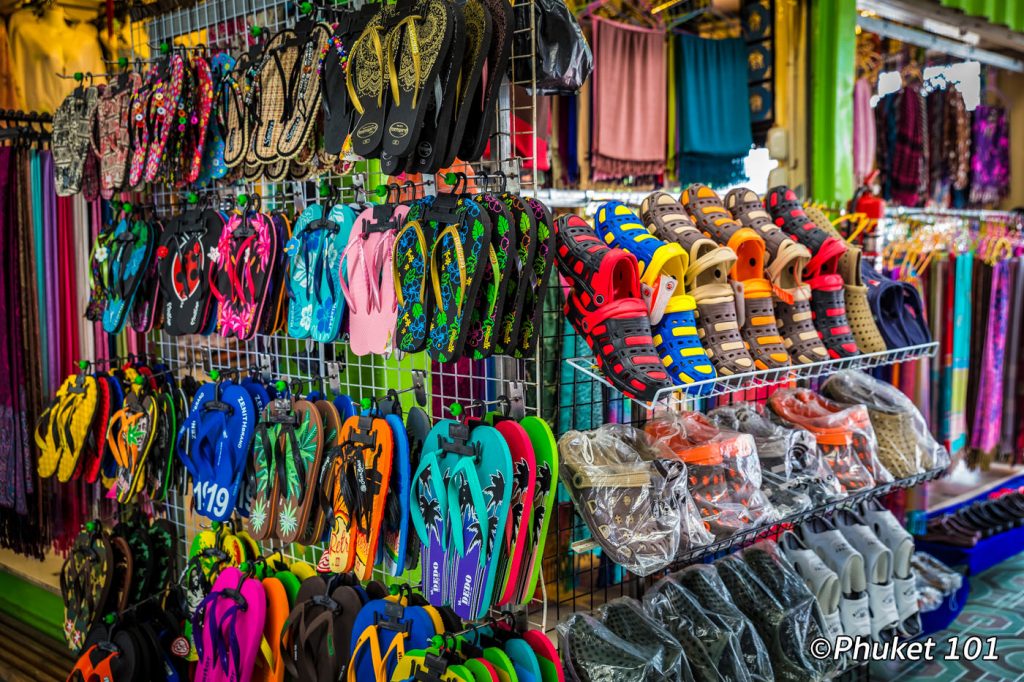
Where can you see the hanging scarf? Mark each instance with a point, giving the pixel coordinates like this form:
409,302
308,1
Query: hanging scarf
988,414
908,153
990,164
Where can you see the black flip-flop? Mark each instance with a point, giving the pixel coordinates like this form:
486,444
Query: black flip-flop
184,269
479,27
537,278
486,317
485,100
524,246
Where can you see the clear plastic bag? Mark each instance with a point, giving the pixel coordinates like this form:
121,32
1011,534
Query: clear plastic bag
905,444
711,649
693,533
611,475
626,618
706,585
590,651
843,434
765,587
724,472
562,56
795,475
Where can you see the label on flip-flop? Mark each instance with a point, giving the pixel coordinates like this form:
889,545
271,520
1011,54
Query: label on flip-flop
657,298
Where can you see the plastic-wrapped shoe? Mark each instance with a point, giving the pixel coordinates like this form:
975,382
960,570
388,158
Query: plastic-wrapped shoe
593,652
847,563
821,580
711,649
754,299
663,268
786,261
626,618
901,544
855,293
703,581
706,280
885,618
604,306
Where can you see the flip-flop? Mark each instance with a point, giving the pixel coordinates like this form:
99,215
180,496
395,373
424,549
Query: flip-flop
361,284
275,317
384,631
391,549
338,112
280,57
86,578
113,122
131,251
479,27
515,543
301,443
371,444
524,660
499,52
97,449
235,618
412,283
63,428
537,280
245,263
316,522
502,664
214,443
164,110
491,301
367,84
328,294
456,274
524,246
302,95
130,437
479,502
319,630
185,269
422,41
232,112
545,452
139,132
547,656
381,336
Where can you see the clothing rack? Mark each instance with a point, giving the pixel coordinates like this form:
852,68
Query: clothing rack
969,213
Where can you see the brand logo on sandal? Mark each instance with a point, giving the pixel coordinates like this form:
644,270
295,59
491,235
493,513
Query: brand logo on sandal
424,149
367,130
180,647
398,130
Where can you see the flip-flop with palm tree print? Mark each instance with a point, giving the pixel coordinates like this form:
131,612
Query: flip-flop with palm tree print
316,520
302,440
479,497
263,483
130,437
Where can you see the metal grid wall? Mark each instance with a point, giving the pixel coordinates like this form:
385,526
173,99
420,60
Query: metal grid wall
225,25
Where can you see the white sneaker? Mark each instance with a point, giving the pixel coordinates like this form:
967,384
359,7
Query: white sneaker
885,618
901,544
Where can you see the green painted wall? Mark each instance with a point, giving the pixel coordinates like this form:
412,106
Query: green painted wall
32,605
832,53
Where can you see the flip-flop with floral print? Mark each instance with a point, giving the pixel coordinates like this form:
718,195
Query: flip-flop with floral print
164,111
245,262
131,249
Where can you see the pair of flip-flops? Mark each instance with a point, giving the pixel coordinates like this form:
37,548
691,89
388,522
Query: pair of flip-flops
368,281
897,309
185,269
478,511
126,256
315,250
228,627
214,444
245,260
62,429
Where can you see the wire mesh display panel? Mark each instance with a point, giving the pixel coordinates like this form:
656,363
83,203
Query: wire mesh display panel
227,25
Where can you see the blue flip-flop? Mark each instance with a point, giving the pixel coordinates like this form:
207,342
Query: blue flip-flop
383,632
131,250
479,496
328,295
345,406
395,535
524,660
303,251
886,300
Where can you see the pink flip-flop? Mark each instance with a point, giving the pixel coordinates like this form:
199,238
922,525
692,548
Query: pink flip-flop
358,276
234,615
524,483
386,315
547,656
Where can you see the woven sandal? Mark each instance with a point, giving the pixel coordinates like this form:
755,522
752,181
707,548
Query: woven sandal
663,267
302,94
858,311
281,59
605,308
785,266
754,292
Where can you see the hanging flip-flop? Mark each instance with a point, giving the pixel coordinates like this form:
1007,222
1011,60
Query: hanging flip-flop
328,296
480,125
163,111
411,257
301,447
479,501
479,27
338,113
232,112
316,521
131,250
361,282
264,484
185,269
372,453
384,631
113,121
394,538
456,272
86,578
280,55
538,273
130,438
245,264
381,337
487,314
524,247
317,636
419,40
545,451
302,93
515,543
63,427
367,84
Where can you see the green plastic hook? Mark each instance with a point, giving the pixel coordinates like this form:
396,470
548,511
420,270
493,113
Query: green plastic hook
109,619
281,386
79,76
83,365
244,567
214,374
165,47
305,7
381,191
325,190
365,403
192,198
456,410
122,62
215,526
90,526
450,178
255,31
126,207
139,380
436,641
242,200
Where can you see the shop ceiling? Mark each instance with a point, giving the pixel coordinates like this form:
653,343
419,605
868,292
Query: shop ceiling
928,24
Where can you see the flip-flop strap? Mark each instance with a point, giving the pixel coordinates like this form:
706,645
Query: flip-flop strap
409,23
467,468
373,292
422,241
267,451
237,262
373,32
435,278
370,637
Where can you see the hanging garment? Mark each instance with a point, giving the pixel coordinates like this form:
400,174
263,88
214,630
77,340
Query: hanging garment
908,153
713,112
988,414
1015,287
958,139
629,100
960,288
864,142
990,163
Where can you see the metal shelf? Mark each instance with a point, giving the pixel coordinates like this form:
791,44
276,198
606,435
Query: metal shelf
678,396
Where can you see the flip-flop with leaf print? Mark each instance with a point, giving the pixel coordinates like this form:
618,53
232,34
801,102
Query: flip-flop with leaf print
524,237
301,446
537,279
412,289
263,482
456,275
316,520
491,300
130,253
